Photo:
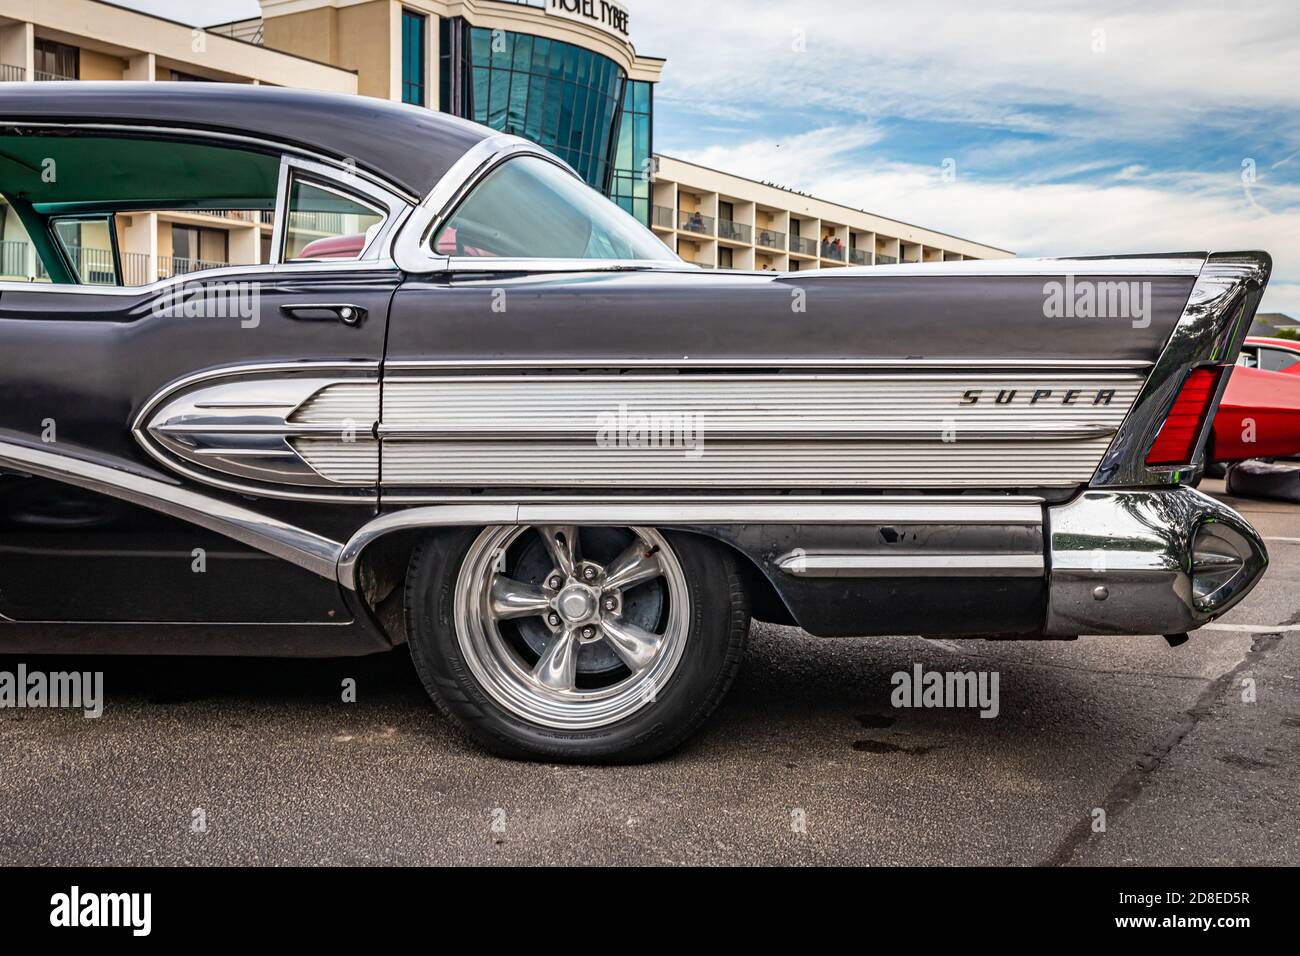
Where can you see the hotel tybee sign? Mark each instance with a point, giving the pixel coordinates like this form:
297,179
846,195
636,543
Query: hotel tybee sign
606,15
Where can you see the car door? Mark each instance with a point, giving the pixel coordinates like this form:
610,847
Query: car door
191,376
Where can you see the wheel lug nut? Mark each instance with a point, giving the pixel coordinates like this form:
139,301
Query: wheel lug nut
588,632
610,604
553,620
554,583
589,573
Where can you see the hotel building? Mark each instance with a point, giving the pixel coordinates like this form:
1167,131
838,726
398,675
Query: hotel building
563,73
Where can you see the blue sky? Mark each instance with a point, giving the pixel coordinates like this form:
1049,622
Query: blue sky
1073,128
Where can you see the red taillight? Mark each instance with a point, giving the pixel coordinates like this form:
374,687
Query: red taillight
1177,439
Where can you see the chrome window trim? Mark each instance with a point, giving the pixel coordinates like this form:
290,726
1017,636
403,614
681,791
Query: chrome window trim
161,285
1211,330
273,145
390,206
411,248
376,255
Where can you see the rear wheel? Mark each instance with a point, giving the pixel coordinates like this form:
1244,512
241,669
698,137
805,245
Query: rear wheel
566,643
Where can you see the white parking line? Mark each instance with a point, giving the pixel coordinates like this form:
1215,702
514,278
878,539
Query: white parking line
1253,628
1285,540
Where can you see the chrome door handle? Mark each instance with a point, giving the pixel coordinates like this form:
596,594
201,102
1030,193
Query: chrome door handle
343,312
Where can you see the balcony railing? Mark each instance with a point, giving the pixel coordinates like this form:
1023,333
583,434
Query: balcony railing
830,250
884,260
135,269
859,257
735,231
663,217
12,74
169,266
770,239
18,260
42,76
695,222
803,246
266,216
93,266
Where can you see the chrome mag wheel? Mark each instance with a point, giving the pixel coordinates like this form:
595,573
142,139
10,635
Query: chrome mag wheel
568,627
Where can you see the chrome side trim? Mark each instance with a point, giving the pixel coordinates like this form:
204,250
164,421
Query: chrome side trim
694,511
1213,326
403,366
1133,562
745,430
200,439
855,565
1118,266
303,548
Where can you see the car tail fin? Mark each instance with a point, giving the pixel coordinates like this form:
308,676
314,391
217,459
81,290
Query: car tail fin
1163,438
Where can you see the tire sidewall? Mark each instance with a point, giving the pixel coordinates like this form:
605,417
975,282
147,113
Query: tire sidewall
687,697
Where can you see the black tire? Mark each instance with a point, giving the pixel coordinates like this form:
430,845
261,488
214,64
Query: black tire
717,632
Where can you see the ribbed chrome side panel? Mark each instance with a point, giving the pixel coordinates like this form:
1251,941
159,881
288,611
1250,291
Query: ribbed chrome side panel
341,402
759,465
752,430
346,462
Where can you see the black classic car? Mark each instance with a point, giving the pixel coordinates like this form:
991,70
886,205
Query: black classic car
457,399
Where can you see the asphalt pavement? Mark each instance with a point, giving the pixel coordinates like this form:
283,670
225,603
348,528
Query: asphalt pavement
1104,750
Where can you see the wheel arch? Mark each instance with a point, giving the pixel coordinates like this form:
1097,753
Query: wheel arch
376,572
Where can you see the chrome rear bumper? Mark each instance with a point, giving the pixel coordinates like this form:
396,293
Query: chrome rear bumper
1146,562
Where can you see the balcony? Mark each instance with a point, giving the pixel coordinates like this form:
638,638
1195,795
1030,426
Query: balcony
169,266
859,257
730,230
264,216
662,217
802,246
884,260
12,74
41,76
829,250
770,239
695,222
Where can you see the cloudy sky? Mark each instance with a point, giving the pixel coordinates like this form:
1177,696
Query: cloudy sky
1072,127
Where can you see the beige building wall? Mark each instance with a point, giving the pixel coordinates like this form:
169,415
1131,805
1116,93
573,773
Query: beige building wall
760,231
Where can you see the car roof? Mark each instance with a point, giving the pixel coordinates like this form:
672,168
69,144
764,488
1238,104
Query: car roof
410,146
1292,345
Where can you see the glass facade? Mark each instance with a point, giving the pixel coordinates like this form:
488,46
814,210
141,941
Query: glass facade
413,56
561,96
634,151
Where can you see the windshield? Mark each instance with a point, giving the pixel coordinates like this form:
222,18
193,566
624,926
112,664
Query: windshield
531,208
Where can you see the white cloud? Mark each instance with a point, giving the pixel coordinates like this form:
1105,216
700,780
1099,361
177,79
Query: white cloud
1134,211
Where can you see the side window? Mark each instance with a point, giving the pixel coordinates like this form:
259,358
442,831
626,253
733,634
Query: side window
93,209
89,248
1277,360
324,222
530,208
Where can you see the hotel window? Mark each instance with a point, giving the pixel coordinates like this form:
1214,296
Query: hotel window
556,94
633,155
57,61
413,27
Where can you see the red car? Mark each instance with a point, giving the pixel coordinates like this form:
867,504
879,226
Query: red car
1260,413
